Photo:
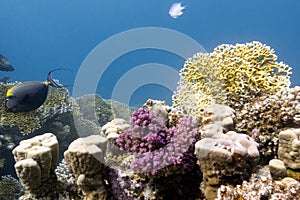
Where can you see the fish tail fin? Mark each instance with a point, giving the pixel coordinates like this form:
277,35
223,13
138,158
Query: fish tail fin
51,81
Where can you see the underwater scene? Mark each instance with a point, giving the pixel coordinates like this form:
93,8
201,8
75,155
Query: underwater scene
149,100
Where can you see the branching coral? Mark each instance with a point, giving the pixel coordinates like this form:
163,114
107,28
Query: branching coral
199,86
250,70
176,156
230,74
57,102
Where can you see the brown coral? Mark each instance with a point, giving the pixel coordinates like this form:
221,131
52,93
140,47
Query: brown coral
264,117
36,159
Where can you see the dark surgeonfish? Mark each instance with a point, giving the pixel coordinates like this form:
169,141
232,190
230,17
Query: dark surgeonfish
4,65
29,96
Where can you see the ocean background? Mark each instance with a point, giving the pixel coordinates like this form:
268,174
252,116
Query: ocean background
38,36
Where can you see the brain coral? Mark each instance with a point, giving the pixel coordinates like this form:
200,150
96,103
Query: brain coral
231,74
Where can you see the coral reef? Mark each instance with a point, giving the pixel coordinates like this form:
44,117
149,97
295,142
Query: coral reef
120,110
232,114
126,186
63,173
189,101
85,158
289,148
250,70
160,154
36,159
6,158
264,117
6,67
225,159
159,109
261,187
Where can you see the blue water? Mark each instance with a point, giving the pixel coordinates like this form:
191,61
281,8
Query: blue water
37,36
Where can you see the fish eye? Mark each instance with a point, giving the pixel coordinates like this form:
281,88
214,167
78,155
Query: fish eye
8,98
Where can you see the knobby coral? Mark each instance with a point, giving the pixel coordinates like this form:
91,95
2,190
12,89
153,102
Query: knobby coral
264,117
158,149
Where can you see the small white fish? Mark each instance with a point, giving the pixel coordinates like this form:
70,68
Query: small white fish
176,10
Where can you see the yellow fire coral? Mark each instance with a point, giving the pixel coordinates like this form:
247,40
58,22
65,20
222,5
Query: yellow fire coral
198,86
231,74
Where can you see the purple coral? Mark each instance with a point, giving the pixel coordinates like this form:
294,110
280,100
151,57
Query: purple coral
177,155
146,133
159,149
141,117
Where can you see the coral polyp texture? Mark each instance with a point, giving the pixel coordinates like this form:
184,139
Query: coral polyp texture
264,117
159,149
231,74
261,187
